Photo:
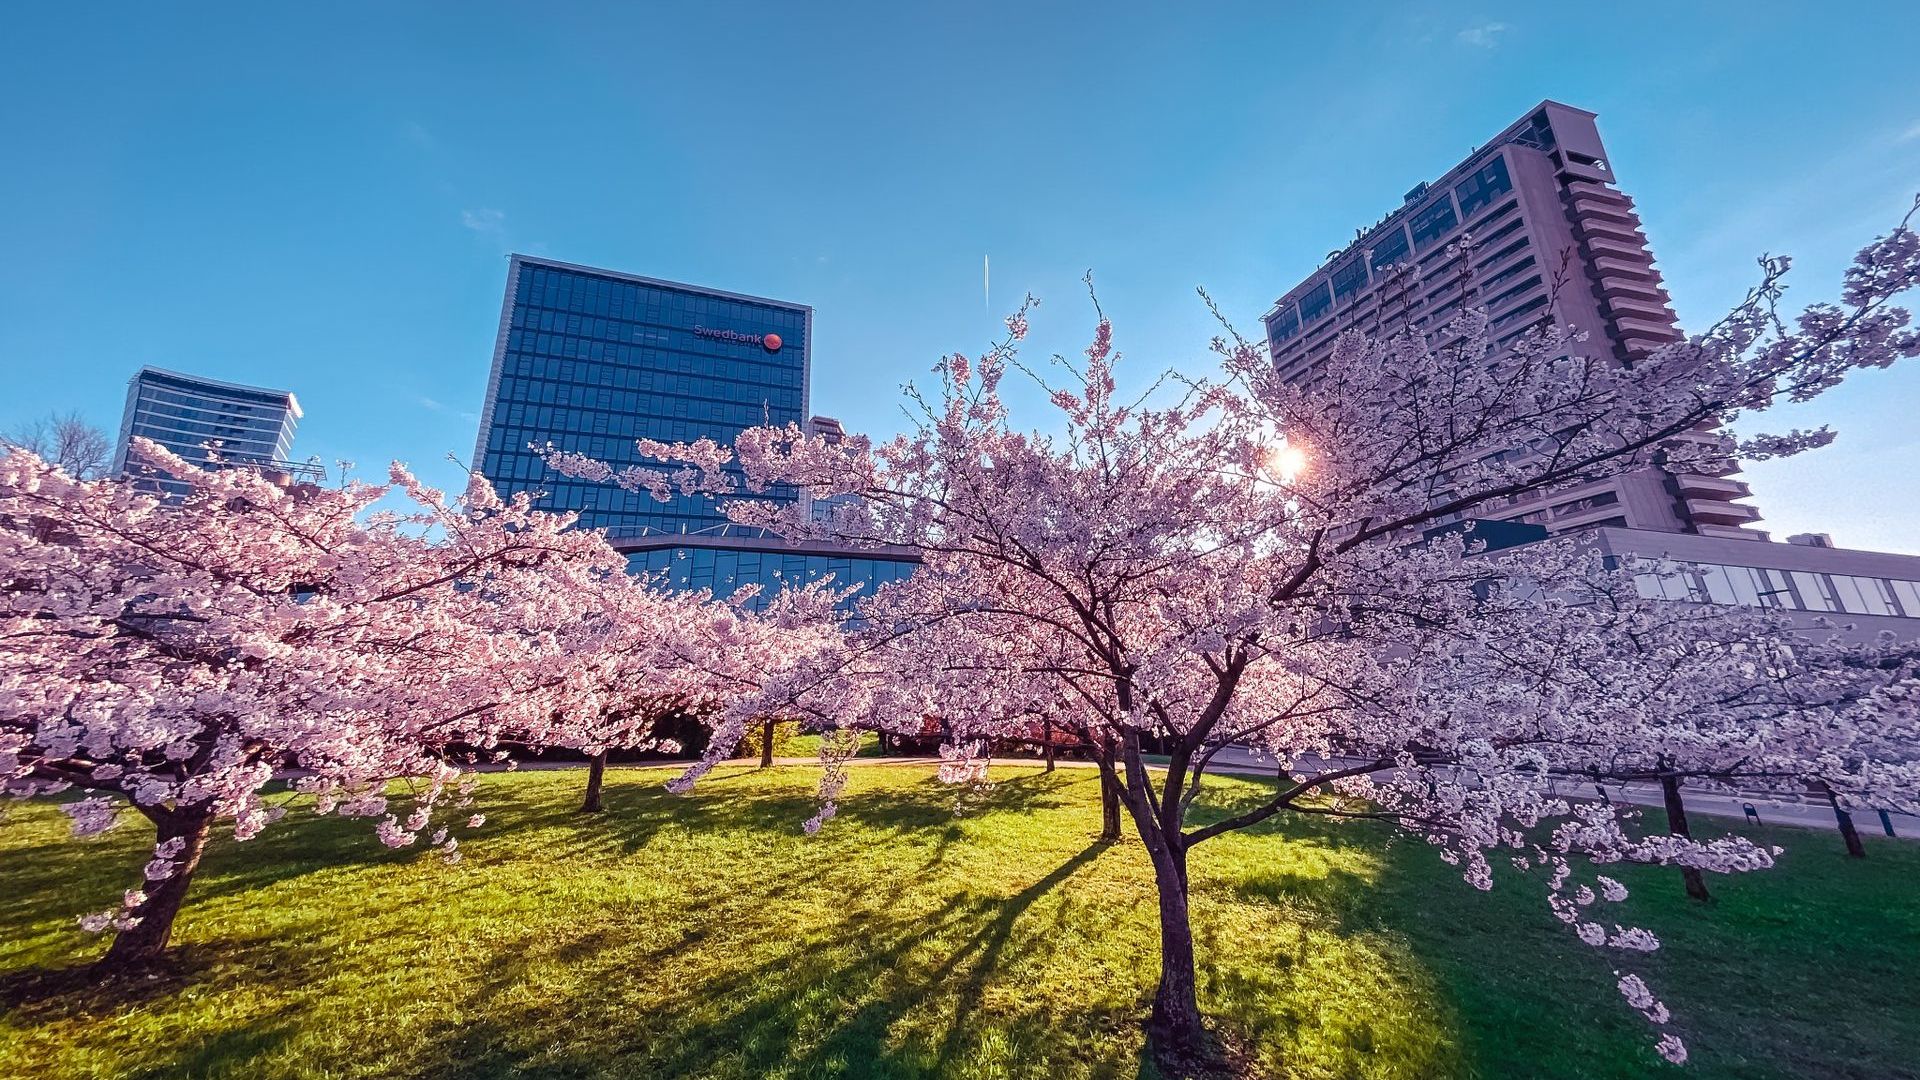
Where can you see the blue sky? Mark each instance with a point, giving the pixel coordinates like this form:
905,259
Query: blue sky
321,197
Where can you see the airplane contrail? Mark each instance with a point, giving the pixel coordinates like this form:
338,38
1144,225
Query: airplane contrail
986,282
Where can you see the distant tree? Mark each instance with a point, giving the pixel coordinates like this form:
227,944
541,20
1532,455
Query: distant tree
1241,561
65,441
645,654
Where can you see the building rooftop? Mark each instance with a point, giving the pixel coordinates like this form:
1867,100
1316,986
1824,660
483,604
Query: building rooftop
194,381
639,279
1524,130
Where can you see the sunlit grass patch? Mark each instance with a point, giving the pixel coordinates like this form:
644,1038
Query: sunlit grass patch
924,932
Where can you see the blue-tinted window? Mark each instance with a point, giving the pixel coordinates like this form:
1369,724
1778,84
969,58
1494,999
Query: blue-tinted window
1483,187
726,572
1315,303
1349,279
1284,325
1390,248
1434,222
593,362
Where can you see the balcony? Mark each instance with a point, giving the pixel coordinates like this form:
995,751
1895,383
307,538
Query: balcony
1731,532
1599,192
1612,287
1639,267
1661,331
1714,512
1624,249
1650,311
1698,486
1623,229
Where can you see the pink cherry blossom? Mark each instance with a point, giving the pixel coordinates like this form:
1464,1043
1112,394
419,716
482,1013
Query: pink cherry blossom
175,656
1132,569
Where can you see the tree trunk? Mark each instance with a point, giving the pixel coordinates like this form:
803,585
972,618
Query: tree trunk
1109,807
596,773
1175,1034
1174,1029
1677,825
1849,834
144,943
766,745
1046,739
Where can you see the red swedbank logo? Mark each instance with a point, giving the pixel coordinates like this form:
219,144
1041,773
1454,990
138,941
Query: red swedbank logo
769,342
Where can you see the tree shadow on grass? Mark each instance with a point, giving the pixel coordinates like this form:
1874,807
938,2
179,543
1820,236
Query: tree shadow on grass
895,972
43,995
217,1053
1756,981
823,1000
636,814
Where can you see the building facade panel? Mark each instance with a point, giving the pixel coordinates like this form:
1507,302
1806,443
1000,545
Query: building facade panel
704,562
588,360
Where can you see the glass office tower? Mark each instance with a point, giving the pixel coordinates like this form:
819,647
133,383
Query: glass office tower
589,360
209,421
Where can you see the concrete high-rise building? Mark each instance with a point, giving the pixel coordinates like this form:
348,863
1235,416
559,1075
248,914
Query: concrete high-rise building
588,360
209,421
1551,238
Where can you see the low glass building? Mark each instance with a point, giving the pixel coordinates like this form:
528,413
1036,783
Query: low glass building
724,564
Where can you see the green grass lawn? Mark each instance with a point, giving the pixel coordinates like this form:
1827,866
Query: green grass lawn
705,936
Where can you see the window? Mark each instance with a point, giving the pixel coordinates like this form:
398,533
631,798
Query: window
1538,133
1729,588
1908,593
1499,255
1483,187
1434,222
1520,312
1509,274
1349,279
1675,586
1284,325
1315,304
1581,506
1880,592
1815,595
1532,282
1390,248
1772,585
1863,595
1757,586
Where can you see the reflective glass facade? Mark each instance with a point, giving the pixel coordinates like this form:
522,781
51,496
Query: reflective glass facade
725,570
200,418
590,360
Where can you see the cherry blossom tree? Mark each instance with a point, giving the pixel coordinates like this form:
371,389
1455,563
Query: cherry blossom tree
646,653
178,657
1741,698
1800,712
1243,560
